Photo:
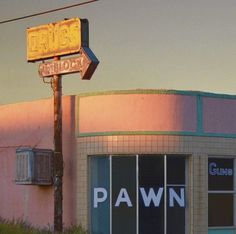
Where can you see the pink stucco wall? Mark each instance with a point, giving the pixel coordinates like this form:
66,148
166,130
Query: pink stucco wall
31,124
137,112
219,115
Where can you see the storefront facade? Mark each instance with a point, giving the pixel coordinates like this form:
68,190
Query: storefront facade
136,162
163,162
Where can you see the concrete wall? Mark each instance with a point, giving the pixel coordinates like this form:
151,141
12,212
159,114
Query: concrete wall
31,125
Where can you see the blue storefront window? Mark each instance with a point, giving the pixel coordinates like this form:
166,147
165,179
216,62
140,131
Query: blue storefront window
100,195
142,194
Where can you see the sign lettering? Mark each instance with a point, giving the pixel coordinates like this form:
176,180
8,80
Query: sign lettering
151,196
101,195
123,197
214,170
85,64
54,39
66,66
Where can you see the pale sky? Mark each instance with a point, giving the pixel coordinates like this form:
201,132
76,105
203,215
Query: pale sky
141,44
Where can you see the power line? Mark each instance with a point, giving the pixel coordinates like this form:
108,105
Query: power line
46,12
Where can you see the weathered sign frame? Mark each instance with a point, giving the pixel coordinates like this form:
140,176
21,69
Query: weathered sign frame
57,39
85,64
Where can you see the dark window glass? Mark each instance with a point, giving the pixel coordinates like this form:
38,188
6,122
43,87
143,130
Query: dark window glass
175,170
220,210
220,174
124,195
175,195
151,180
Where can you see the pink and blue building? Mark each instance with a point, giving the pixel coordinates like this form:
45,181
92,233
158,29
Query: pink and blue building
135,162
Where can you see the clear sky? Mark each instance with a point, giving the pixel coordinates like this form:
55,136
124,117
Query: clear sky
153,44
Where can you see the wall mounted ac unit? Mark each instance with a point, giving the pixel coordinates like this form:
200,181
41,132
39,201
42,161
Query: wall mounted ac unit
34,166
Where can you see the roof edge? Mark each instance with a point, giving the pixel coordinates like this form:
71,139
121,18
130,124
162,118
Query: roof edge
158,91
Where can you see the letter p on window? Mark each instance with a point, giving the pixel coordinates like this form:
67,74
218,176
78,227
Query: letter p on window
99,196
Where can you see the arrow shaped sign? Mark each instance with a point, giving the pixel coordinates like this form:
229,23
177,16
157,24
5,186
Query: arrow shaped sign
86,64
89,64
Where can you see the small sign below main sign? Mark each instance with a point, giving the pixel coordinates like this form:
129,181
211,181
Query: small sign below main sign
56,39
85,64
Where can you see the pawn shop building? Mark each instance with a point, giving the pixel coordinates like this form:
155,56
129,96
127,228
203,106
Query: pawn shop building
135,162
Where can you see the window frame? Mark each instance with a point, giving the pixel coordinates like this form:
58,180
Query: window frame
223,192
166,185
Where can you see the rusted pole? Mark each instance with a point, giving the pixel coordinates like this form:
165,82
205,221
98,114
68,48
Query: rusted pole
58,157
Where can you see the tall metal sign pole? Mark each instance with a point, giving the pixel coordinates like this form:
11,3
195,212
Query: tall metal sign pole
52,41
58,156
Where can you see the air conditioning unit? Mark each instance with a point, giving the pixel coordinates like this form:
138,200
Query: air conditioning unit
34,166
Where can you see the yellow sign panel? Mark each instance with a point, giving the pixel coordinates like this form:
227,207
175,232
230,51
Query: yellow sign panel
55,39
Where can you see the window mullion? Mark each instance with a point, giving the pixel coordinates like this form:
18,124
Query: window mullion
234,199
165,194
221,192
137,195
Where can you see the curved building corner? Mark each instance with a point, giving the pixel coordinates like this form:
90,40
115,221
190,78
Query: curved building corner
156,161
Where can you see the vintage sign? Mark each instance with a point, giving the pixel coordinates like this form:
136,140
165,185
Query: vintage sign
65,66
56,39
85,64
